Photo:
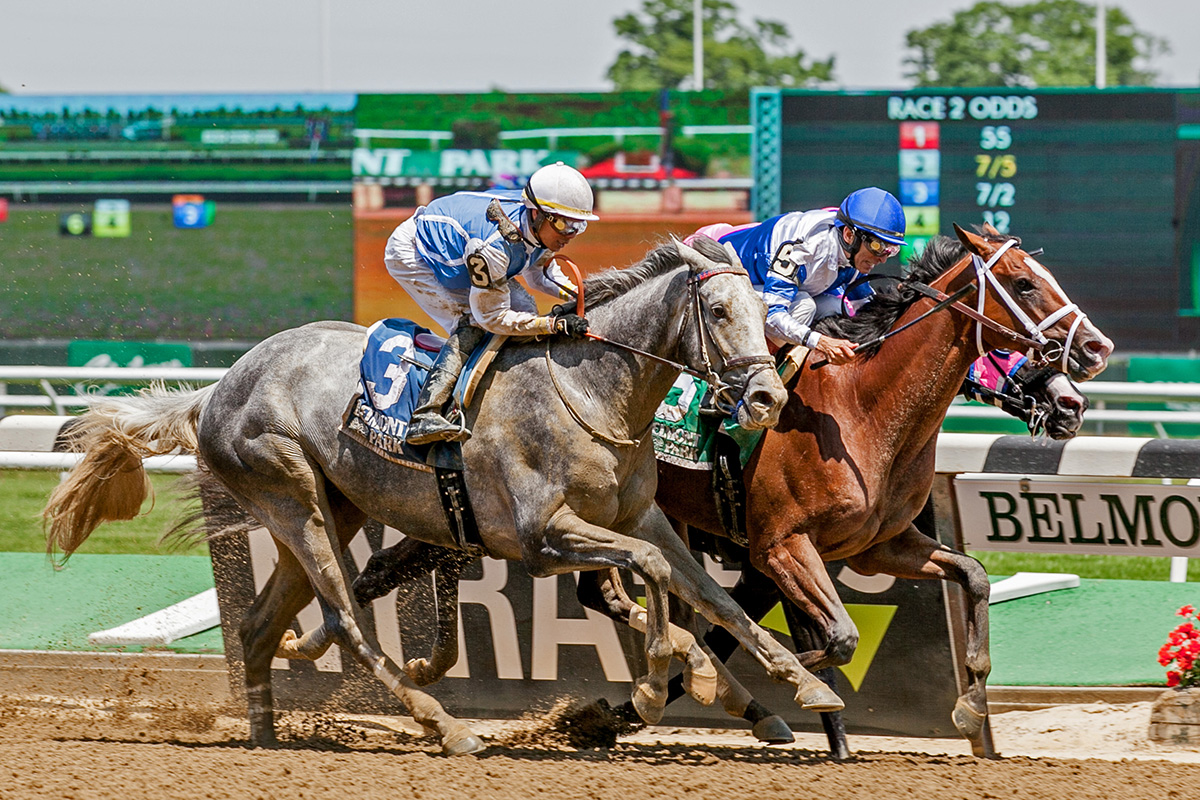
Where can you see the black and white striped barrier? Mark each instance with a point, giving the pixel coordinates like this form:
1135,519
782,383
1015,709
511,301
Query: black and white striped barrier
1098,456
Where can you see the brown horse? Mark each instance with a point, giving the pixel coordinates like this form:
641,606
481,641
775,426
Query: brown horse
851,463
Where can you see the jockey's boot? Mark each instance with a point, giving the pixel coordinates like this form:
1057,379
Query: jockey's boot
428,425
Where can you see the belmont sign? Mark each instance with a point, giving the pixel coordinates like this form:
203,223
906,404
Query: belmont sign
394,162
1054,516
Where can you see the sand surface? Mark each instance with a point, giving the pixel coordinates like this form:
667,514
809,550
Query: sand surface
51,748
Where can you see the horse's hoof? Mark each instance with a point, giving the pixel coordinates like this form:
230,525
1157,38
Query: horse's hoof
287,646
418,669
968,721
816,696
648,704
773,730
701,682
463,745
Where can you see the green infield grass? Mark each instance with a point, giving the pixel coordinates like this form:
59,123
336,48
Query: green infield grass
258,269
23,494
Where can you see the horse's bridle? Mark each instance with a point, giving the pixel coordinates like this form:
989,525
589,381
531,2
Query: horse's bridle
714,378
704,334
1015,393
1047,350
1044,346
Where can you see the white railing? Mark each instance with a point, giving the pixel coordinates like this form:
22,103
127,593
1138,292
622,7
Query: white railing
63,462
53,399
551,135
1101,393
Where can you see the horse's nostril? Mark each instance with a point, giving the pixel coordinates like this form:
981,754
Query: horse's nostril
1068,403
1098,349
762,399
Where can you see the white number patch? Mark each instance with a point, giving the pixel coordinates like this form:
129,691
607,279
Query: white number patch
477,271
782,265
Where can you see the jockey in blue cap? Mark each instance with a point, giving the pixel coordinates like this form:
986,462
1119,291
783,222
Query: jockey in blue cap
458,259
804,261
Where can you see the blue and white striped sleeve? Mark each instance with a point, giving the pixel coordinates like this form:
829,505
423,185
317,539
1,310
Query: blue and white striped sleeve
790,311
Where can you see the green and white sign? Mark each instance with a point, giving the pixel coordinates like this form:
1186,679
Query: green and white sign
396,162
100,353
112,219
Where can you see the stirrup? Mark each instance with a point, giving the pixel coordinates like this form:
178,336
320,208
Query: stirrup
435,428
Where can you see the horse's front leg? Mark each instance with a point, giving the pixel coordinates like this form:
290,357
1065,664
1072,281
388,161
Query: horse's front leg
756,597
604,591
911,555
695,586
797,569
570,543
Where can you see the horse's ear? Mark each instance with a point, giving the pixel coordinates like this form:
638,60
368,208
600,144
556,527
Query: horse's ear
687,253
988,230
975,244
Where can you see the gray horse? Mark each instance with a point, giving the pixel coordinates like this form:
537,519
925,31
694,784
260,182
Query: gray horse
560,469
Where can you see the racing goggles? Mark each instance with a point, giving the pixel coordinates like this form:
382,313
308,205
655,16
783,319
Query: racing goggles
565,225
876,246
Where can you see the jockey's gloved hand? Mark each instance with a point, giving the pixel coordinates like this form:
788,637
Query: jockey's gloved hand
572,325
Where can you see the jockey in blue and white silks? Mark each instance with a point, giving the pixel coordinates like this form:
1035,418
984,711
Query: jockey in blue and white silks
804,261
458,257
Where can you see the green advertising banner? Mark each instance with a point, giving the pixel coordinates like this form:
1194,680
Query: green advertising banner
99,353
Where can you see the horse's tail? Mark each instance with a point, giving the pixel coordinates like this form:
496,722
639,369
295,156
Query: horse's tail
109,482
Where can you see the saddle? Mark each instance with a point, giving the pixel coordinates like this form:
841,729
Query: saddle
397,357
686,436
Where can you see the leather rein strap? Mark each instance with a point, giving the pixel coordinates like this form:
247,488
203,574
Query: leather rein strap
982,319
710,375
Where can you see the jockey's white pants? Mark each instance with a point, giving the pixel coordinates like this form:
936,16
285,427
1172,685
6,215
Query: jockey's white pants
445,306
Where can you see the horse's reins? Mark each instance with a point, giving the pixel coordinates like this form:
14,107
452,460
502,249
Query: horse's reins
693,282
983,271
710,375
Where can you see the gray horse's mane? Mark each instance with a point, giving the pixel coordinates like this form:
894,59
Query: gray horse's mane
604,286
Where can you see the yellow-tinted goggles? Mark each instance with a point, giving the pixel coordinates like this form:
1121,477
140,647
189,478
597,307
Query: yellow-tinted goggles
877,246
565,225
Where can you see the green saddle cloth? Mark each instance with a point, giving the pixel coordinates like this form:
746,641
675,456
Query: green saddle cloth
684,437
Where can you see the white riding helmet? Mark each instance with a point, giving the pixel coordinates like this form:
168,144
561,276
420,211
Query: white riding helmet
560,191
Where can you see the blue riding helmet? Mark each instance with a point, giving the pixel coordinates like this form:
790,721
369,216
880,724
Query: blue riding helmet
874,211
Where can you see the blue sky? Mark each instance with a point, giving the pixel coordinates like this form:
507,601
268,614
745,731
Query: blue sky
150,46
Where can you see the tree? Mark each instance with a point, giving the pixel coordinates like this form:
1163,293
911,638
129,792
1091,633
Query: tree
1045,43
736,56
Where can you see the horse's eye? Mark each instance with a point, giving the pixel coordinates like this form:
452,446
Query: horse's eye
719,312
1024,285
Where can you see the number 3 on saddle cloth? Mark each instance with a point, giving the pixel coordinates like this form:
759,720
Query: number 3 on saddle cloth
397,357
688,435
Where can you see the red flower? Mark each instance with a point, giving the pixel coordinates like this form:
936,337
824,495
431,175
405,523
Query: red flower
1186,611
1172,678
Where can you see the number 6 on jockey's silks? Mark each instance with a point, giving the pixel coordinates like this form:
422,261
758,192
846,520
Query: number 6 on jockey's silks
782,264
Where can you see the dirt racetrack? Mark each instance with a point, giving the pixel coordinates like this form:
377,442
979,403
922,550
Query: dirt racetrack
51,748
